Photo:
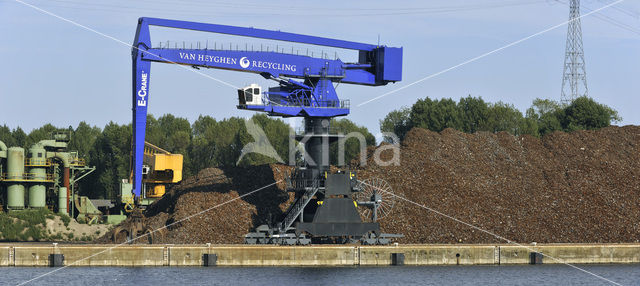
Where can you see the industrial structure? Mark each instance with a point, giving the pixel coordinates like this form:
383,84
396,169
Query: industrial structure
46,176
574,77
305,89
43,176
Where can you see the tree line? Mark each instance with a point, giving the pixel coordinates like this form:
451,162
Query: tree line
472,114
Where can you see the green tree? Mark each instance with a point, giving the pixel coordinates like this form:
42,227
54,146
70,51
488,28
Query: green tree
39,134
201,150
228,137
6,136
396,122
474,114
585,113
277,132
547,114
503,117
111,156
19,137
83,139
352,146
529,124
153,133
217,144
435,115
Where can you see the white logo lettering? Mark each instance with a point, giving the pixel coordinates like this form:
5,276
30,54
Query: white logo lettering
273,66
244,62
142,93
208,58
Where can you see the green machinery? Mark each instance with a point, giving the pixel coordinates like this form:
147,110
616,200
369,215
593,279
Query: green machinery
43,176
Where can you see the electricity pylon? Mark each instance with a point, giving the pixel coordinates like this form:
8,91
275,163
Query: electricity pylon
574,79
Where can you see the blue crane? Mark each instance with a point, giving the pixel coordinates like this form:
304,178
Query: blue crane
314,96
305,83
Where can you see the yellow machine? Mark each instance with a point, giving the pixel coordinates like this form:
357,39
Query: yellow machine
162,169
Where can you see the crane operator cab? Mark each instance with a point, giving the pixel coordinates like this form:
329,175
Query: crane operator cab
250,95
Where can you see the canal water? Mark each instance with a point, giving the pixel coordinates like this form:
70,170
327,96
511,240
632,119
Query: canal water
403,275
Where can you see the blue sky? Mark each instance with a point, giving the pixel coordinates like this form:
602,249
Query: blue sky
56,72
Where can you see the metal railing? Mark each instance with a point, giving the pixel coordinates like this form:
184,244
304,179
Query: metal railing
338,104
40,162
298,206
300,184
342,104
26,177
77,162
308,51
37,162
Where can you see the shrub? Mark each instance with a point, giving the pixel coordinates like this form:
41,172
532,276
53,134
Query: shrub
66,220
31,216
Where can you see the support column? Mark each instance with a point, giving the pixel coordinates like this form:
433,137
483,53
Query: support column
65,182
317,146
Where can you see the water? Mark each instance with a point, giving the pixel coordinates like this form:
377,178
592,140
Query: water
406,275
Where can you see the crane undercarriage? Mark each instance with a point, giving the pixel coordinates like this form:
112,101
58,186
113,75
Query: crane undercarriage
326,208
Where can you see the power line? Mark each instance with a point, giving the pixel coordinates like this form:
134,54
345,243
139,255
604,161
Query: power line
66,4
616,23
634,15
245,5
608,19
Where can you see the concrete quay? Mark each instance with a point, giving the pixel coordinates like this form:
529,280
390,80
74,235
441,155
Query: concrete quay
40,254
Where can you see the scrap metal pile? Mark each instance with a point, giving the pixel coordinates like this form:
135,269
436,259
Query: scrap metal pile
206,208
582,186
